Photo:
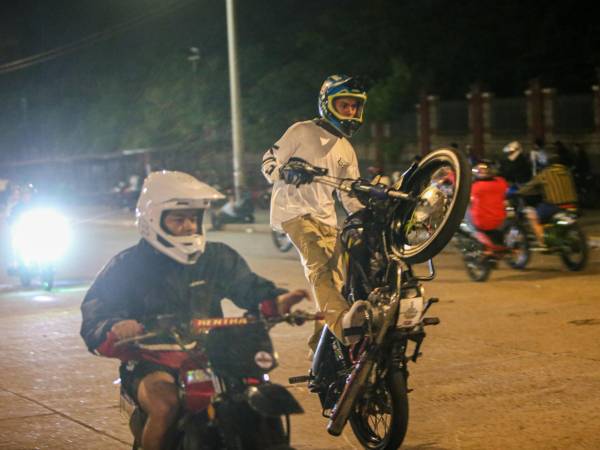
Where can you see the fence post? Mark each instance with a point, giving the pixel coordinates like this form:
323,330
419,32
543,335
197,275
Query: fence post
596,91
535,111
548,97
476,125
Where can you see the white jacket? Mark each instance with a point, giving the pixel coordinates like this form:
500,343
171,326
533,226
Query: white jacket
319,147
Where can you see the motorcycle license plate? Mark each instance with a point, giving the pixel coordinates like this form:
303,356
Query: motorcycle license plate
411,310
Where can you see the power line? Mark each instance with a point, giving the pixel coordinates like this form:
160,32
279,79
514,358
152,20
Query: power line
91,39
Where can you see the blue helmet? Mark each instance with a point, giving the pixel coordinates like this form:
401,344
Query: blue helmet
337,86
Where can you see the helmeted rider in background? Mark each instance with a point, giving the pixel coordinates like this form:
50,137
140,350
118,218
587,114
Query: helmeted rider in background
306,211
172,270
487,209
555,184
515,167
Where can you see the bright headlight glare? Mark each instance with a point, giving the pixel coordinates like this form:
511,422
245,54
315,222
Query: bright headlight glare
41,235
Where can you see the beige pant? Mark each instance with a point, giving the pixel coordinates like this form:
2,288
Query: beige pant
319,249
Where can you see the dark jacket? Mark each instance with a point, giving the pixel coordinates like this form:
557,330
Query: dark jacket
517,171
140,283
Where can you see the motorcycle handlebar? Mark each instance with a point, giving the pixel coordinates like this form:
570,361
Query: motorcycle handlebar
196,326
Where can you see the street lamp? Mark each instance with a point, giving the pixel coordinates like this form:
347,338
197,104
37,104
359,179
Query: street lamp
234,87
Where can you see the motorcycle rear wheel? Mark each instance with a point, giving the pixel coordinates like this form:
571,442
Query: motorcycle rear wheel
574,252
379,418
428,226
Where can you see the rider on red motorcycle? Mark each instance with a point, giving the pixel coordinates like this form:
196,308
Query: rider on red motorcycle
172,270
487,210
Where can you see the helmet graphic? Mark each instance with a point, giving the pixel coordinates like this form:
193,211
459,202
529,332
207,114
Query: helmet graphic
342,86
167,191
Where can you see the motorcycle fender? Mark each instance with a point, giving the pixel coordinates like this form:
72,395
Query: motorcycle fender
272,400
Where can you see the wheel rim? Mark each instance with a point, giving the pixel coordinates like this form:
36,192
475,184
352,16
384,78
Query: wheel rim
437,186
374,411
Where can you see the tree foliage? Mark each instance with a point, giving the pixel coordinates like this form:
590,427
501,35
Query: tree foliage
138,89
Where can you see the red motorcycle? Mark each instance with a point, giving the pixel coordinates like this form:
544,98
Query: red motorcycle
227,400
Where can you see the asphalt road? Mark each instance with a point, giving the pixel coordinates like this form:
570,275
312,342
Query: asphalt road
515,363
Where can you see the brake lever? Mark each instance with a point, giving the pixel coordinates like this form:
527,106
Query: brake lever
139,337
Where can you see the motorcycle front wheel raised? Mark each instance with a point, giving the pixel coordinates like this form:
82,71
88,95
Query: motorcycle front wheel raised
379,418
440,186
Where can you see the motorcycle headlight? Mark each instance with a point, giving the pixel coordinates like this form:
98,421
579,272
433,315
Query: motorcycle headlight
41,235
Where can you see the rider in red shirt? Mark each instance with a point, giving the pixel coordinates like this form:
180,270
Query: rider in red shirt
488,192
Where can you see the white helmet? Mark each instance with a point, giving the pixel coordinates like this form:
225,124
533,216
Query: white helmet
165,191
513,147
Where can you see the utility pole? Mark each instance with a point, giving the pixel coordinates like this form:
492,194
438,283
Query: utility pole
234,87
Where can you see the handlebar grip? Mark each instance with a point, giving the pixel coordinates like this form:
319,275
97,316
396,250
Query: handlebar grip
398,194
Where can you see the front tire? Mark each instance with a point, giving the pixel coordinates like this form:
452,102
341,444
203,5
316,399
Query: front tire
379,418
574,249
441,184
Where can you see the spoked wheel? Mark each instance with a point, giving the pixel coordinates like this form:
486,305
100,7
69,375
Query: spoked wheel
477,264
574,250
380,417
281,241
515,238
441,186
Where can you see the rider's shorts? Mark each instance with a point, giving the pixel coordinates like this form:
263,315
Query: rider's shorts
133,372
545,211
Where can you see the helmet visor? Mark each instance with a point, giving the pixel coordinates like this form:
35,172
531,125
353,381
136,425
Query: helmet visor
347,106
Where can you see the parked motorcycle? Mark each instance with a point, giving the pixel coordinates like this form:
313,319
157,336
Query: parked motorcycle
40,237
562,235
232,211
227,400
481,250
409,223
281,241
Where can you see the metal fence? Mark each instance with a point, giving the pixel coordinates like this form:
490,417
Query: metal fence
508,116
574,114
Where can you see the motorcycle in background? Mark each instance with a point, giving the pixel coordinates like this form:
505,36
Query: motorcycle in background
481,250
227,399
282,241
39,238
409,223
563,235
232,211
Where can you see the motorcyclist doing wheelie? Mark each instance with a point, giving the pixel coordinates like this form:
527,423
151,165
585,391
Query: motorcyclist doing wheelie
172,270
305,210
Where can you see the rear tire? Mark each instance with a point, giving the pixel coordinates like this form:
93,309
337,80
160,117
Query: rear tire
455,188
370,411
574,252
